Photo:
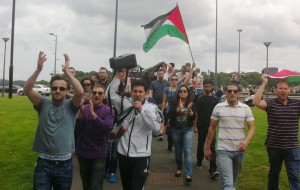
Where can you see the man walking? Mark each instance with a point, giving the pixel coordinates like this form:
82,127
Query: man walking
282,137
54,138
103,77
156,91
137,120
205,104
230,116
94,123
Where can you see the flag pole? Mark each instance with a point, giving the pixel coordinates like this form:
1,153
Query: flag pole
188,41
191,53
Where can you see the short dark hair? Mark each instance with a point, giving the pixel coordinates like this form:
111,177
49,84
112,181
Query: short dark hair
139,83
173,65
161,70
233,84
207,81
59,77
87,78
95,74
103,68
72,68
99,86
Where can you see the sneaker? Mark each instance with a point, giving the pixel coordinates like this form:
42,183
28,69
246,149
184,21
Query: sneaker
160,137
112,178
177,173
188,179
198,166
213,175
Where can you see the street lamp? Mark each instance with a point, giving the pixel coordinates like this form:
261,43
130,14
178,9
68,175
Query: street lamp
239,63
267,68
216,46
55,51
267,45
5,40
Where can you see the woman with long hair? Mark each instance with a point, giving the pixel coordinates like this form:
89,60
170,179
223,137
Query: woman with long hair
168,95
182,117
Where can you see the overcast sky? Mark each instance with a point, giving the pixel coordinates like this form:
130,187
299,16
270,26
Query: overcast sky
85,30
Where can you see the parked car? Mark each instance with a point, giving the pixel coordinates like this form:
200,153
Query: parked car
41,89
15,88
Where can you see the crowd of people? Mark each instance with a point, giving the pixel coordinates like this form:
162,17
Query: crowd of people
110,125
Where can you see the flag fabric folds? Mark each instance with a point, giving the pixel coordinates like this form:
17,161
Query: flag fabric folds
168,24
290,75
284,73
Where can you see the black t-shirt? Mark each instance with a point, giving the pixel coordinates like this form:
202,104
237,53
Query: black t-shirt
204,106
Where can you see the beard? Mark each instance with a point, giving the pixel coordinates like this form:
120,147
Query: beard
58,97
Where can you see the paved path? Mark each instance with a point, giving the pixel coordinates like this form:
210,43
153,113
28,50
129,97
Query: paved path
162,163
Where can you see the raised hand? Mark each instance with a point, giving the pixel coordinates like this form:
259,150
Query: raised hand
41,59
65,67
264,78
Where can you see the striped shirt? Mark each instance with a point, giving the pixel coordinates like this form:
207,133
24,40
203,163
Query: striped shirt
283,123
232,122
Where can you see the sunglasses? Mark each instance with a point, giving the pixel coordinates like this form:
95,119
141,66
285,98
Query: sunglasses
55,88
88,84
174,79
234,91
97,92
183,91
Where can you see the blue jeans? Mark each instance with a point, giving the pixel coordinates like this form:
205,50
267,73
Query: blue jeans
92,173
183,141
230,165
56,174
291,158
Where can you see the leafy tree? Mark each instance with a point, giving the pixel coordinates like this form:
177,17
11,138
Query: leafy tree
44,82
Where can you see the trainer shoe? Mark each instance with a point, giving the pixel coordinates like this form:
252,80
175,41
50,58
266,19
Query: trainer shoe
213,175
112,178
198,166
160,137
188,179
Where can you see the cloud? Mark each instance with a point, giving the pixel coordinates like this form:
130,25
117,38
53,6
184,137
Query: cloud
85,30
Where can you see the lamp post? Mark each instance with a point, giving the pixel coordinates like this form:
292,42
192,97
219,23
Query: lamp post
239,60
116,29
11,66
52,34
216,46
5,40
267,68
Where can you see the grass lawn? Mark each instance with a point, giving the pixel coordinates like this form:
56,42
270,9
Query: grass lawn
18,122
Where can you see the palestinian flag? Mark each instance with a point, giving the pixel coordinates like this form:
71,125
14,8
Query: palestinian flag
168,24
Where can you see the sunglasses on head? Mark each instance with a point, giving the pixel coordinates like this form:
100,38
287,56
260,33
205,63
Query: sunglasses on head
234,91
55,88
97,92
174,79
